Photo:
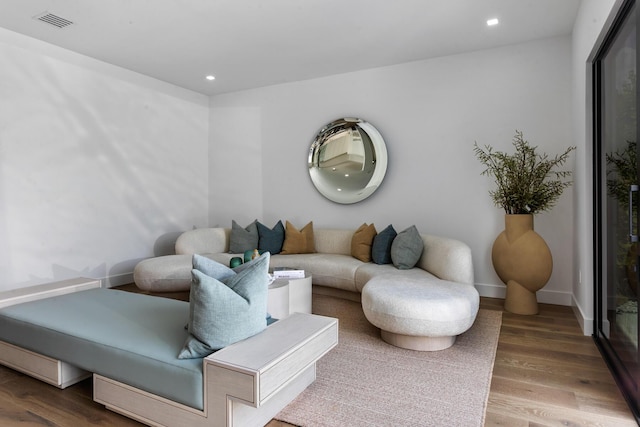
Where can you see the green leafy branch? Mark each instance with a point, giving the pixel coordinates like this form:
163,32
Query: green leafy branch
526,181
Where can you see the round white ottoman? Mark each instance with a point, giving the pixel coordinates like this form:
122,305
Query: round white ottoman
417,314
169,273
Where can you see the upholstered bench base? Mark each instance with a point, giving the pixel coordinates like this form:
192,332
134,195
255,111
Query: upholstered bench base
419,316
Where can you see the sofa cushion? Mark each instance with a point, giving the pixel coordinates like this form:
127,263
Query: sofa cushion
406,248
381,246
333,241
298,241
270,240
361,242
332,270
368,271
225,311
243,239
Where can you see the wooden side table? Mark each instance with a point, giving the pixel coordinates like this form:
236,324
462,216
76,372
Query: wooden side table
288,296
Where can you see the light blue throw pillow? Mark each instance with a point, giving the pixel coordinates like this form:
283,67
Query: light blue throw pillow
407,248
243,239
222,312
216,270
212,268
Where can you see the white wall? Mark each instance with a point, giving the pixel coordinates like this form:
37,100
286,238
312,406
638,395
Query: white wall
430,113
594,16
99,167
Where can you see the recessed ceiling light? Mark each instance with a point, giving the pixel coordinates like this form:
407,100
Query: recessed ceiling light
210,77
493,21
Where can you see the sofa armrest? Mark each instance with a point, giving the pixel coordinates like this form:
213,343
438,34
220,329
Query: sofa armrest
203,241
254,379
448,259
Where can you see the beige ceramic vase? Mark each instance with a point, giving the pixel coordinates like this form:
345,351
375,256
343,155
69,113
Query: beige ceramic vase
523,262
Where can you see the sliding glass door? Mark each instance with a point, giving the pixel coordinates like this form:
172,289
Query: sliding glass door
616,203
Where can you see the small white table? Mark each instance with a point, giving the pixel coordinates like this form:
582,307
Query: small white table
288,296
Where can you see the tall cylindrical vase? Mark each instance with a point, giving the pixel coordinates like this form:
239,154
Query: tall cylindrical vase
523,262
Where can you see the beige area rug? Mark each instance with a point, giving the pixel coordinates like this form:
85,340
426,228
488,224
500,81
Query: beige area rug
367,382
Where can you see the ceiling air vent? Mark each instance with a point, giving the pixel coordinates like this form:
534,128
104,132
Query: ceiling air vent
51,19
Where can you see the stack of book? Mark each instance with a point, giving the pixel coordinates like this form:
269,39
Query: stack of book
287,273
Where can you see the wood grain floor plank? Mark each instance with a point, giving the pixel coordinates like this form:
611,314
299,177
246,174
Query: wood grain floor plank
517,349
495,419
578,383
601,404
20,418
551,367
72,406
549,341
541,394
551,415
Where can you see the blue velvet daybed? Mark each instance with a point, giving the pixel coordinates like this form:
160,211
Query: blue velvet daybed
66,331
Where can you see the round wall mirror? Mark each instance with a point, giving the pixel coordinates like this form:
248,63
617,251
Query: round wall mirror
347,160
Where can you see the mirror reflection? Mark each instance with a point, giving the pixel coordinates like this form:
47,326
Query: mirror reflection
347,160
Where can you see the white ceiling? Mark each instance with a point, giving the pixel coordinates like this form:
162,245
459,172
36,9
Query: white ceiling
254,43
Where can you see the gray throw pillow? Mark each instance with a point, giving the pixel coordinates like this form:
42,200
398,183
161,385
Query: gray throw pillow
407,248
222,312
381,247
243,239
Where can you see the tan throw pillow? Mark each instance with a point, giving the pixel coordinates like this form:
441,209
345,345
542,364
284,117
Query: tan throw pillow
361,242
298,241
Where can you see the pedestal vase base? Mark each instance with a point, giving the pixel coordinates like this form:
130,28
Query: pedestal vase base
519,300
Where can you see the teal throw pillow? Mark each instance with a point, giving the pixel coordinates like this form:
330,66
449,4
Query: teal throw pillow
243,239
270,240
381,246
407,248
222,312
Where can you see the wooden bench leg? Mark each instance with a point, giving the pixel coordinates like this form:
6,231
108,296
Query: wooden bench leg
51,371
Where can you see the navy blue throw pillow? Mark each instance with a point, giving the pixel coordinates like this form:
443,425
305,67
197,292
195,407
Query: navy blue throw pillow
270,240
381,247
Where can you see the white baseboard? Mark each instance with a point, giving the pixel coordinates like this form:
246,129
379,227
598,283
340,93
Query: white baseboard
545,297
491,291
586,323
117,280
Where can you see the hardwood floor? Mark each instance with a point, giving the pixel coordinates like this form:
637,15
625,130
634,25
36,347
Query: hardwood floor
546,373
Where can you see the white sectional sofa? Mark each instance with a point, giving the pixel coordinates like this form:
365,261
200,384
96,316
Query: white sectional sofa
423,308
